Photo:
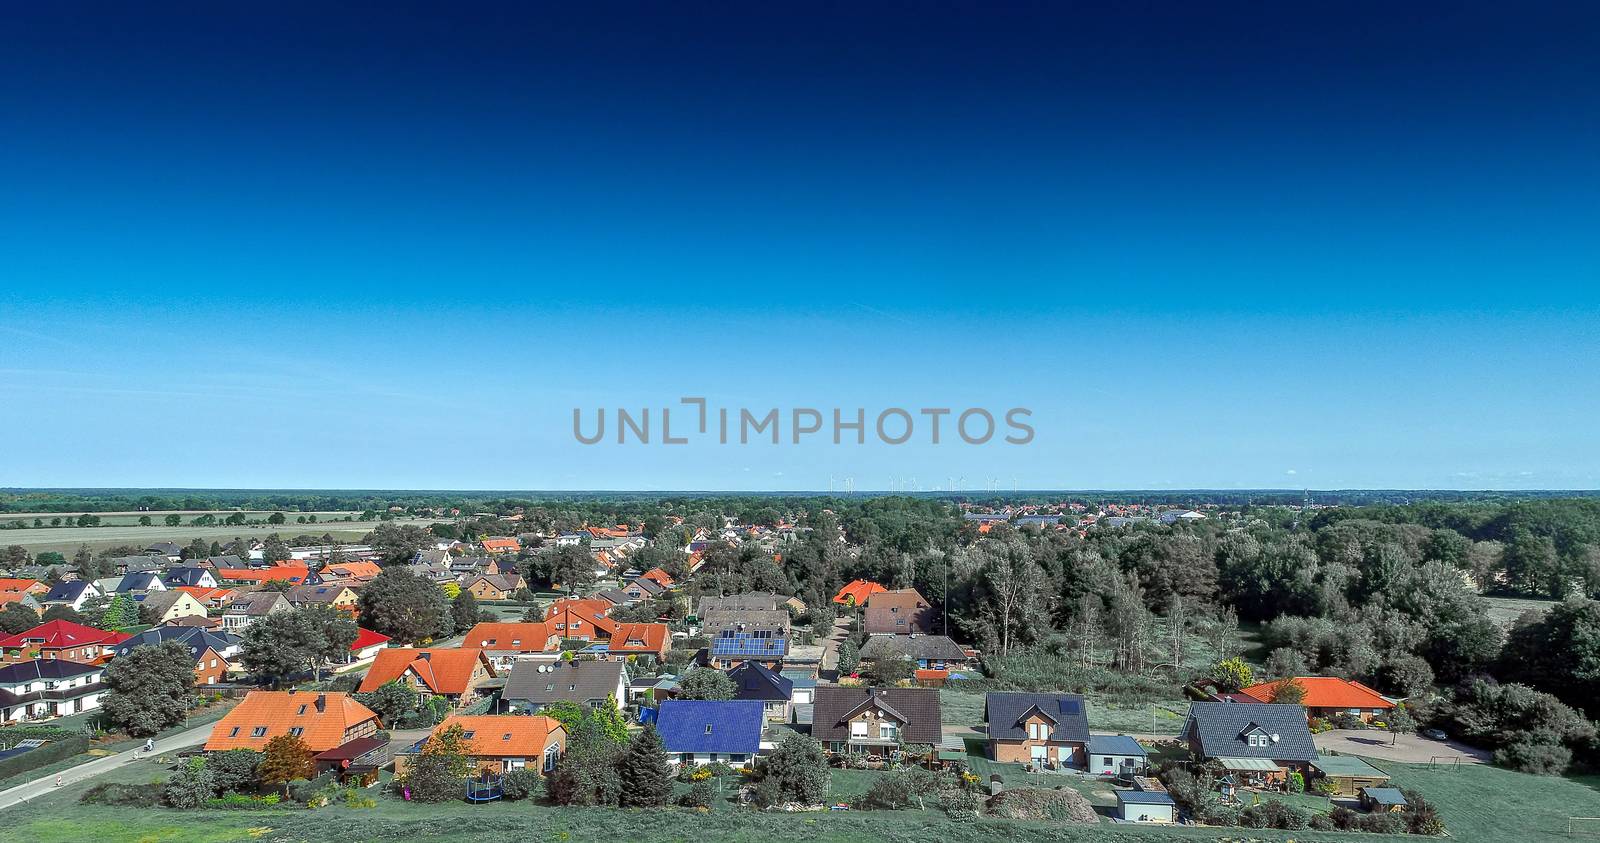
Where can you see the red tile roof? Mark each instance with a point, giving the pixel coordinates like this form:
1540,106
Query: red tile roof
292,573
276,712
501,637
857,592
366,638
652,638
1325,692
442,671
507,736
658,576
60,634
563,615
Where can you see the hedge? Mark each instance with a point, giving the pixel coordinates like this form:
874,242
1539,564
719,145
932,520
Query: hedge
50,753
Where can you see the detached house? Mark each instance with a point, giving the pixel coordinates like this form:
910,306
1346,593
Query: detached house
1260,743
535,684
1042,730
709,731
503,643
338,597
902,612
500,545
495,586
323,719
875,720
1329,696
652,640
72,593
39,690
249,607
774,691
454,673
192,576
166,606
211,650
61,640
499,743
857,592
581,620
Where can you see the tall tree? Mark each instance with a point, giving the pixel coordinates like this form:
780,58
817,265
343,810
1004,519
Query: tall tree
800,769
440,771
704,683
149,689
645,774
405,607
286,758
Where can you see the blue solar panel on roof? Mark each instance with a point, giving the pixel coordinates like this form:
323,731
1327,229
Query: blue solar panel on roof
1068,706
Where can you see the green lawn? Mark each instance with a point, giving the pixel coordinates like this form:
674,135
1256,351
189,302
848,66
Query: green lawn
1480,802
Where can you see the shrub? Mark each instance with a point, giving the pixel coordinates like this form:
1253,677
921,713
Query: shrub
1531,755
305,791
903,788
235,801
1422,817
123,795
1344,819
1321,822
190,786
1297,782
700,795
521,783
1384,823
961,805
233,770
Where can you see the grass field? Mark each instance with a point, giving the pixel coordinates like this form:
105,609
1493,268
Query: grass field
1479,803
1505,610
66,540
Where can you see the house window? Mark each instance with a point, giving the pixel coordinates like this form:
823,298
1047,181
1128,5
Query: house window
888,731
468,735
858,730
1106,761
297,731
258,732
234,733
301,711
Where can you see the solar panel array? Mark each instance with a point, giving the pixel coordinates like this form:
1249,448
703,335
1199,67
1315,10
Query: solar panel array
747,645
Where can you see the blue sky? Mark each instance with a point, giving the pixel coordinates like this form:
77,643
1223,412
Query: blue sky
395,246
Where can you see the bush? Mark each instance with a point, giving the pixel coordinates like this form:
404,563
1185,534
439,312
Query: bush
1384,823
1532,756
1322,822
305,790
237,801
123,795
1297,782
700,795
234,770
903,788
521,783
961,805
190,786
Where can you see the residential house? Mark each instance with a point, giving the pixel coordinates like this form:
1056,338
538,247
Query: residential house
1041,730
124,565
900,612
164,606
255,576
211,598
22,585
640,640
1329,696
659,577
71,593
208,622
192,576
142,581
322,719
644,589
171,550
857,592
499,743
466,567
211,650
501,544
736,637
20,598
62,640
495,586
1115,755
42,689
755,681
875,721
535,684
251,606
457,674
433,557
503,643
226,560
614,596
926,652
341,598
580,619
366,646
711,731
358,571
1260,743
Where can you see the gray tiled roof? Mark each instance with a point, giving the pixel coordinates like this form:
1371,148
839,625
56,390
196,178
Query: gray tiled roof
594,680
1220,730
1005,710
835,703
913,647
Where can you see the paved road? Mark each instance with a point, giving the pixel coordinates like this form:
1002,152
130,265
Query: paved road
45,784
830,648
1412,749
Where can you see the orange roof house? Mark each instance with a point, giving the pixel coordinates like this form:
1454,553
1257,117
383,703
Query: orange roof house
292,573
453,672
501,640
640,639
1326,696
658,576
211,598
857,592
323,720
581,619
497,743
65,640
501,545
23,586
359,570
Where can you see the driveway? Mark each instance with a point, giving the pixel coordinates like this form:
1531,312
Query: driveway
45,784
830,648
1410,749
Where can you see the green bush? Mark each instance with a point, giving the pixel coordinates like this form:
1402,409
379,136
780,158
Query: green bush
961,805
60,747
236,801
700,795
306,790
123,795
521,783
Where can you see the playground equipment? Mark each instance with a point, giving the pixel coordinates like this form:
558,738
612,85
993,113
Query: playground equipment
485,789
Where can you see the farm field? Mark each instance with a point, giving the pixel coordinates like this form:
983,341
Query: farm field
66,540
1505,610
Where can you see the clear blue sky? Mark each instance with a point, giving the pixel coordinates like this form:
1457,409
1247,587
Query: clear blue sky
391,246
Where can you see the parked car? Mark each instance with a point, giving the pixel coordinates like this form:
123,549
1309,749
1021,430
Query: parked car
1434,734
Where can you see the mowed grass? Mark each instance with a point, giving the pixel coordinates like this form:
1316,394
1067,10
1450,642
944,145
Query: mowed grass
66,540
1480,802
1505,610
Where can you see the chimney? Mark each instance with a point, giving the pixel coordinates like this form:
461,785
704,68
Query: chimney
322,702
